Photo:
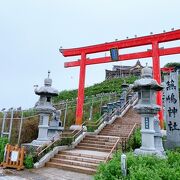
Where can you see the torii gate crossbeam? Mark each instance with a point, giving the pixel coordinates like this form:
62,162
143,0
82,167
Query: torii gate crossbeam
155,53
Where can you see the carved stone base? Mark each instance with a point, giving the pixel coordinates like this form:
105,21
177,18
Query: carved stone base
40,142
155,152
75,127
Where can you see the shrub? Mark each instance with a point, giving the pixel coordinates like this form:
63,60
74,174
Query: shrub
135,140
109,171
66,141
28,161
91,128
3,142
142,167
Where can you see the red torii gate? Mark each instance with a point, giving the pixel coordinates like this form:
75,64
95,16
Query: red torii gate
167,69
155,53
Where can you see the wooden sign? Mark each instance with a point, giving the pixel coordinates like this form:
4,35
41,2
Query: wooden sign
13,157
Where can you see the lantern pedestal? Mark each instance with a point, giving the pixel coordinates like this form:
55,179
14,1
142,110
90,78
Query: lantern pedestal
148,109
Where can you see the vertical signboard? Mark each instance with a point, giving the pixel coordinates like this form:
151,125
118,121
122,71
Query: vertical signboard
114,54
172,109
146,122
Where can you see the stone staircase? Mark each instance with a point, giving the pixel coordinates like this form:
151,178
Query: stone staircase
97,143
121,127
80,159
94,149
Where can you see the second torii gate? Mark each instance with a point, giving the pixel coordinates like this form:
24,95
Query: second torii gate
155,53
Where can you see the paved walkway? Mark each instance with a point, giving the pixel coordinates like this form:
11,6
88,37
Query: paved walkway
43,174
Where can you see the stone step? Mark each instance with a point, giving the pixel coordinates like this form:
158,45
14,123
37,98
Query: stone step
115,132
95,145
79,169
116,135
100,137
77,158
74,163
98,142
94,148
122,126
118,130
119,126
76,154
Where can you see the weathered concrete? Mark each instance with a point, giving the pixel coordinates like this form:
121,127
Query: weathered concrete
49,155
44,174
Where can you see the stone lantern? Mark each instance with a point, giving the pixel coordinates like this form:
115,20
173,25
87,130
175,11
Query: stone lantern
45,108
123,97
104,109
124,86
110,107
148,109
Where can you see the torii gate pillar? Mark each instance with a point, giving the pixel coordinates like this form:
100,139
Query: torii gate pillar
157,77
80,99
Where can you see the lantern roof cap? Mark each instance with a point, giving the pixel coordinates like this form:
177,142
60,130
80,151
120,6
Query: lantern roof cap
146,83
47,89
146,72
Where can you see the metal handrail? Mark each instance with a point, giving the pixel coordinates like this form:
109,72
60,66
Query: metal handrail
132,130
97,121
73,131
79,130
115,145
101,119
48,145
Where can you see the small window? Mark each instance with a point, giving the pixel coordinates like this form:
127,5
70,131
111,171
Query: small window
146,96
48,99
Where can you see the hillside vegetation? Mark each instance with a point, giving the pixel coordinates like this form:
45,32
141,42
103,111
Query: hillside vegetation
30,125
176,65
106,86
92,100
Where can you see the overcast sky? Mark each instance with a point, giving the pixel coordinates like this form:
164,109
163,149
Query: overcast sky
31,32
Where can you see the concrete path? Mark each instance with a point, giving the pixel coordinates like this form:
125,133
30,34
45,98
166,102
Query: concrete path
11,178
43,174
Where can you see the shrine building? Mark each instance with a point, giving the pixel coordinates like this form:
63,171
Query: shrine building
124,71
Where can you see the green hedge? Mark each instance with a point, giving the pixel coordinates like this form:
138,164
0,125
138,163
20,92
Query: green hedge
142,168
3,142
